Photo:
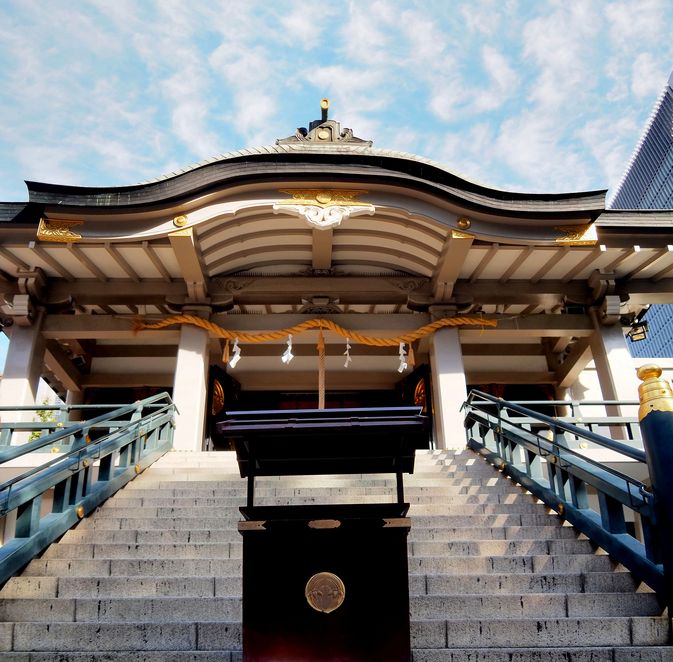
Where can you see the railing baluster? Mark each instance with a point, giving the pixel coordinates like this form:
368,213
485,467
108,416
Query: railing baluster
612,514
28,517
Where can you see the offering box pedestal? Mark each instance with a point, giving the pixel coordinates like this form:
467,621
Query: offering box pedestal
326,582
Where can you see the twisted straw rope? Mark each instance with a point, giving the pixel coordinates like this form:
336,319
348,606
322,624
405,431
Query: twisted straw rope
315,324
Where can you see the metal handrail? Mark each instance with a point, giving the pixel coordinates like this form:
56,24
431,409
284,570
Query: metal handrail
81,478
560,423
589,494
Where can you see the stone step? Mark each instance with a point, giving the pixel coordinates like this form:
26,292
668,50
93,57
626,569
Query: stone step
230,534
537,654
230,586
117,637
521,501
133,567
121,587
510,564
540,632
190,567
183,609
227,550
500,547
108,530
510,496
582,654
171,518
217,508
127,656
594,582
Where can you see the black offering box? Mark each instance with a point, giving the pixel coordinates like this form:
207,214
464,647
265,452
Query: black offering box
326,582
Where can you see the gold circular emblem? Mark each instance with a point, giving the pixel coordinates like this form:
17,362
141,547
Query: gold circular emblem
325,592
217,403
463,223
323,197
420,398
180,221
323,134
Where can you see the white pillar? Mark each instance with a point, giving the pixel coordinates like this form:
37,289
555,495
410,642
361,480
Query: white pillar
23,367
190,388
614,367
449,388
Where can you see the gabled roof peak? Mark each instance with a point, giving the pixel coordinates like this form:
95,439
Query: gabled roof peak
323,131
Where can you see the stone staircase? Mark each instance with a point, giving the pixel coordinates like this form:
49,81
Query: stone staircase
155,573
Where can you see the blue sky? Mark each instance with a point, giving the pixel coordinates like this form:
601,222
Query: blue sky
524,95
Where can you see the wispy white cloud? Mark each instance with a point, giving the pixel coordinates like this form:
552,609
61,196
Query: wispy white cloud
608,142
503,81
648,76
561,46
534,96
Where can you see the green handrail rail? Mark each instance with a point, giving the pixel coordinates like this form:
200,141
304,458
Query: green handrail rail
91,470
587,493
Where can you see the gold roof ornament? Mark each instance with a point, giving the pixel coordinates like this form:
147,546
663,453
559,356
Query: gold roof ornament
324,130
58,230
577,235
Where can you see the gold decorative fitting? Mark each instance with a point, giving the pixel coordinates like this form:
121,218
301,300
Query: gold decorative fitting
655,393
138,469
323,197
324,524
457,234
80,511
577,235
86,462
87,439
217,402
180,221
420,396
55,449
58,230
560,509
325,592
256,525
463,223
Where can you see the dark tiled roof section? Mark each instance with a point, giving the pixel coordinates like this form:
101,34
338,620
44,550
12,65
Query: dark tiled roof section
279,163
20,213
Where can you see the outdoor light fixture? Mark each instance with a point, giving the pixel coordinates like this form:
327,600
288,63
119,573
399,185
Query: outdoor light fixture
638,331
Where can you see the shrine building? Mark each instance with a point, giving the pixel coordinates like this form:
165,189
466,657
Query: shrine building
322,271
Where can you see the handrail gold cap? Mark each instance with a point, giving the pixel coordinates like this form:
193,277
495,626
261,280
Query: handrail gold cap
655,393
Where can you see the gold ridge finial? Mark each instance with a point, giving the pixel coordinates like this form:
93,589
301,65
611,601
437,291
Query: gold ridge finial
655,393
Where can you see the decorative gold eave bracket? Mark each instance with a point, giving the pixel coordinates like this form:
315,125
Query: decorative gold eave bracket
323,209
58,230
577,235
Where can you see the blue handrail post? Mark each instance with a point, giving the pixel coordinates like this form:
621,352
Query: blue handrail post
656,425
